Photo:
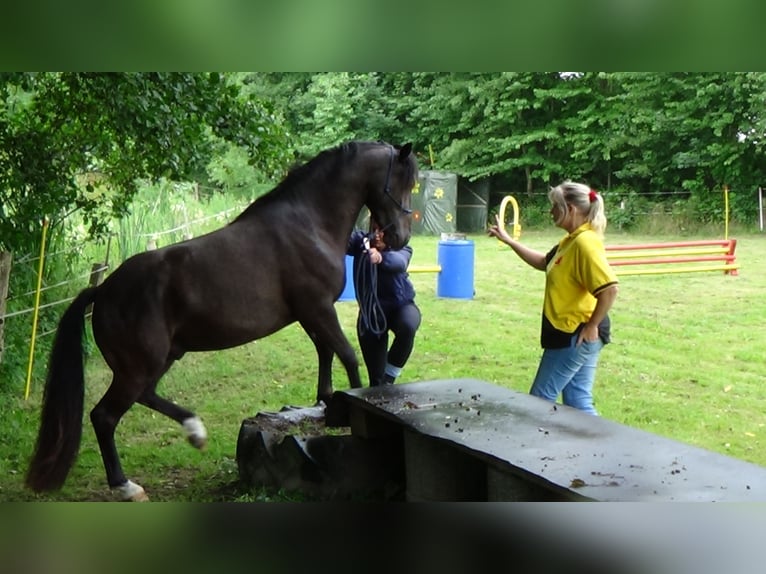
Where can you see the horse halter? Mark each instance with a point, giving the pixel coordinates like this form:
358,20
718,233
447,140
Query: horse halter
387,186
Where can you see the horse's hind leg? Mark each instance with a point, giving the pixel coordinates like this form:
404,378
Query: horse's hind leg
105,416
195,430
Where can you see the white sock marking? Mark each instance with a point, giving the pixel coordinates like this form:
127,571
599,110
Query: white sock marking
130,490
194,428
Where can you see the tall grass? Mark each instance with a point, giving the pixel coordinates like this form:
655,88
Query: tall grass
686,362
161,214
168,212
65,270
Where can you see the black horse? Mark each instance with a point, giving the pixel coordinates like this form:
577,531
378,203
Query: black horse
281,260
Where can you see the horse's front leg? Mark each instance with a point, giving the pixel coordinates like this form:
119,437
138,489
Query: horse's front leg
329,340
347,356
324,380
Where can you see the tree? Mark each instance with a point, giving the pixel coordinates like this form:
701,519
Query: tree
486,124
691,131
646,133
65,138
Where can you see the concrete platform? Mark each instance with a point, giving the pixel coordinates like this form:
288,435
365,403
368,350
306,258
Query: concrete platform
469,440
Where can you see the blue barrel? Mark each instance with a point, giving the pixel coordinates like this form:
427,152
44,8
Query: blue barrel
349,293
455,280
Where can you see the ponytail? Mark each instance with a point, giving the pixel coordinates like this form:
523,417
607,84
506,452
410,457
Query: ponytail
586,200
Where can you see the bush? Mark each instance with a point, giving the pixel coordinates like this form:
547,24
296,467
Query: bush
624,208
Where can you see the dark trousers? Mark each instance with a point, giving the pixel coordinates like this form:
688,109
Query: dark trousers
403,323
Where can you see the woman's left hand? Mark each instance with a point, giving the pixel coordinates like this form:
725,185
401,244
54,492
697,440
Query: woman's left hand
588,333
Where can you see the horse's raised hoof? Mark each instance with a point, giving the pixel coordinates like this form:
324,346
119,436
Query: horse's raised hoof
195,432
197,441
131,492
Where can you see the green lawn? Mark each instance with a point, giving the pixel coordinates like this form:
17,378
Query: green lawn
686,362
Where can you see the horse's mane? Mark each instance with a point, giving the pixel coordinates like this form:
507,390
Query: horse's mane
320,167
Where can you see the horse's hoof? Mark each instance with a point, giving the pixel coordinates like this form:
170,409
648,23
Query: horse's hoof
131,492
140,497
195,432
198,442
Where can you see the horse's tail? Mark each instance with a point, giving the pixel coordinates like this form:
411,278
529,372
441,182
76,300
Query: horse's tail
58,440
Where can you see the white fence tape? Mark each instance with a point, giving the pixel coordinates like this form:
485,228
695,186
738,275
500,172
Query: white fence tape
29,259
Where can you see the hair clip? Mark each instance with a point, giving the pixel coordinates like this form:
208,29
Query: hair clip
592,196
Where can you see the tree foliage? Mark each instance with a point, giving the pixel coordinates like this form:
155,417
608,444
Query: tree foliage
81,141
645,133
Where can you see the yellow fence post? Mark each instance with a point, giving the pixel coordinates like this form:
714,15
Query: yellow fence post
36,308
726,212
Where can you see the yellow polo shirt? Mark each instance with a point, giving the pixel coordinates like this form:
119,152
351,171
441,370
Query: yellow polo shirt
576,271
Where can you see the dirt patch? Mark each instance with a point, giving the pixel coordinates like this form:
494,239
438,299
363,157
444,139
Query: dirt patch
298,421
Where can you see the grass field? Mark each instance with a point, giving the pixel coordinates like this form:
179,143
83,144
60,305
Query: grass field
686,362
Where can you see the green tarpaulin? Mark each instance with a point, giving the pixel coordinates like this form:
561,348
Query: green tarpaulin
434,202
442,205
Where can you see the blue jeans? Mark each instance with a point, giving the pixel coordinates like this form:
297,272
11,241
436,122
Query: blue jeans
570,372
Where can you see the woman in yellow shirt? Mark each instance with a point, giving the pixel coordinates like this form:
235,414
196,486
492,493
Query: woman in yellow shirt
580,288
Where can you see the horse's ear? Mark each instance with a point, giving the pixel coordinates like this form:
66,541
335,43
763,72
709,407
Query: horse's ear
405,151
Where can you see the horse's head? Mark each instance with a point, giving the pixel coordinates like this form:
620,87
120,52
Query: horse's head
389,199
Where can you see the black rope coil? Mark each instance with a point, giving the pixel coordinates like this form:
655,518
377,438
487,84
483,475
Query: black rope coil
370,310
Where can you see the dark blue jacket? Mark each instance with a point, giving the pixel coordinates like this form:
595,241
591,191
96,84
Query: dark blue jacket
394,286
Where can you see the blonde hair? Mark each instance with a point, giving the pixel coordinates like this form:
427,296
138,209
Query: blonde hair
585,200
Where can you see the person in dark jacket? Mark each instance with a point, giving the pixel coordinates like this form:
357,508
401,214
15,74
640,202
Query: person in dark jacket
386,300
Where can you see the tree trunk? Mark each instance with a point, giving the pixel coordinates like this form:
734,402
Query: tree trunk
528,173
5,275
